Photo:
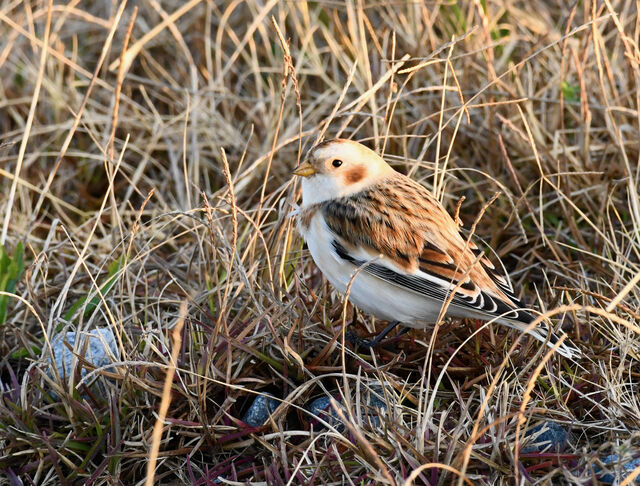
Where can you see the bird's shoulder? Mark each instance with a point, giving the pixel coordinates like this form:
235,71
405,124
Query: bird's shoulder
397,217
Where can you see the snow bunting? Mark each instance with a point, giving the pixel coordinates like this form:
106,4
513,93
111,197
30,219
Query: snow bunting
357,211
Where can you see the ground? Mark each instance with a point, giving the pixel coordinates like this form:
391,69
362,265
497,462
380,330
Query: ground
146,189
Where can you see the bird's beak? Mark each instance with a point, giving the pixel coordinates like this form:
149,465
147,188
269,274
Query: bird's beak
305,169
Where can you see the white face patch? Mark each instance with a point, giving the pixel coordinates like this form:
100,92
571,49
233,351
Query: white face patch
335,182
324,187
319,188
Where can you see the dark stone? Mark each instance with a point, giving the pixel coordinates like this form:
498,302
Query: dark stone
371,411
546,437
259,411
321,408
622,469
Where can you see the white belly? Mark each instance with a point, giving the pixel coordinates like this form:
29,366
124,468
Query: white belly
371,294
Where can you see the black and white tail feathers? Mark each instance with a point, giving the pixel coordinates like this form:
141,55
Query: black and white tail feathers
543,333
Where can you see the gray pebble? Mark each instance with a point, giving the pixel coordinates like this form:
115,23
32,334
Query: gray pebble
376,408
263,406
371,411
622,470
321,407
101,349
546,437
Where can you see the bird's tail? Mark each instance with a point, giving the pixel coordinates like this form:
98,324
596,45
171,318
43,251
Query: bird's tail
542,332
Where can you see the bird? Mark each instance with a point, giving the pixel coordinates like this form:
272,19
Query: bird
385,237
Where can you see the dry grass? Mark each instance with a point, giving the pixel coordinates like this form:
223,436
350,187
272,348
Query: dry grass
157,169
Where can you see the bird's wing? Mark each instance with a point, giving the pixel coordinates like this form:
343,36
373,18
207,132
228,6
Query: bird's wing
405,237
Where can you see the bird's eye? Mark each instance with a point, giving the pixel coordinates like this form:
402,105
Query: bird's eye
336,163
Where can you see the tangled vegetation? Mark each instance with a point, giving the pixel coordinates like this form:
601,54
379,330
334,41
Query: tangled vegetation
145,188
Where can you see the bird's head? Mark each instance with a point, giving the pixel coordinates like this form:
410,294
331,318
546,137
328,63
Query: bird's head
338,168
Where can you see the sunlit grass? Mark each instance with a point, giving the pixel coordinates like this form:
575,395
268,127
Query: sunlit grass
171,182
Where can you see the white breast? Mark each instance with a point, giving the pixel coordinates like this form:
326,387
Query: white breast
371,294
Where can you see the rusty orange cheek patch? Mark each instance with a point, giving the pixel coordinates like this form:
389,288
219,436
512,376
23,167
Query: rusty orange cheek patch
354,175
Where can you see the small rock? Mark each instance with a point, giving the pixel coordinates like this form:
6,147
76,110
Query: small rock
375,408
376,402
622,469
321,407
259,411
371,411
546,437
100,350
